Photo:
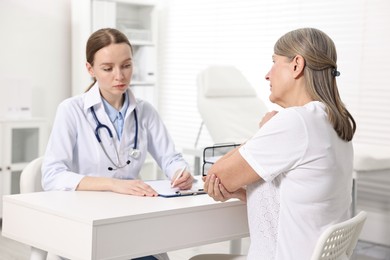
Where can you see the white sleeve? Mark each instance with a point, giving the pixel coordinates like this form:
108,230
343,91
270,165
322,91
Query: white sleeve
56,174
278,146
161,145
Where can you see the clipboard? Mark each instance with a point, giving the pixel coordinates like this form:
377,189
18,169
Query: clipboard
163,188
213,153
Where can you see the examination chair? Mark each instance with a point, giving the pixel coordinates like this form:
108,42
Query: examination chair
228,104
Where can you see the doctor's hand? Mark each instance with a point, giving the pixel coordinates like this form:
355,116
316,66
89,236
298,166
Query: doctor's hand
214,188
267,117
133,187
183,181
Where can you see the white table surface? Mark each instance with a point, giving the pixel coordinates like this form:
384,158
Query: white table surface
105,225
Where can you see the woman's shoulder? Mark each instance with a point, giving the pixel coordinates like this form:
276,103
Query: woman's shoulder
314,108
292,118
310,116
289,114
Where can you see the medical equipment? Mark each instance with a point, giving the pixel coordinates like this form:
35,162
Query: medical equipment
133,153
213,153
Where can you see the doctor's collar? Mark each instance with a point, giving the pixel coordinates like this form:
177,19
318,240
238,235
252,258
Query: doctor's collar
112,112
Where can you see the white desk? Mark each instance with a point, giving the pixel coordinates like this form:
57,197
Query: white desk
104,225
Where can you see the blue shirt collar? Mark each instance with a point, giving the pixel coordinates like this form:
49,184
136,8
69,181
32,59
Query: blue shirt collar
112,112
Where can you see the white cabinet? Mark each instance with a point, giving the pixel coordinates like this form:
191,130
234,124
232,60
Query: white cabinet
21,141
137,19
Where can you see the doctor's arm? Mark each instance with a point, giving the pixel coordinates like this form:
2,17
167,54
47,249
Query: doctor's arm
162,148
130,187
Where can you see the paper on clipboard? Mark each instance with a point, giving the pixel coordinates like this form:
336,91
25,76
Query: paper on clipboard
164,189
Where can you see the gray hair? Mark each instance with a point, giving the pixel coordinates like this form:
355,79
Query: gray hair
319,53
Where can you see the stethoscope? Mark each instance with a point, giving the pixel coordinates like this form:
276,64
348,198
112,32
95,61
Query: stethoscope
134,152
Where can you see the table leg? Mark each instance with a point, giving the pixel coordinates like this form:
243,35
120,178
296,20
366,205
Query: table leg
197,166
235,247
37,254
354,197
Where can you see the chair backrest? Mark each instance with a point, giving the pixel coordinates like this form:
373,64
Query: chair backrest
30,178
228,104
338,241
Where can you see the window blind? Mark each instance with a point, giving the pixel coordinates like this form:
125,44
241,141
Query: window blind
196,34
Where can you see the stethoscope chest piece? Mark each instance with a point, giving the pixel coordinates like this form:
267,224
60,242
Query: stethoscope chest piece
135,153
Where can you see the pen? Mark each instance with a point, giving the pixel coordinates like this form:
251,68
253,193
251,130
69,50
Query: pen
178,176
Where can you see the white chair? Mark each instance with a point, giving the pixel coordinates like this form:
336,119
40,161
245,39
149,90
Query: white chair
30,178
228,104
30,181
337,242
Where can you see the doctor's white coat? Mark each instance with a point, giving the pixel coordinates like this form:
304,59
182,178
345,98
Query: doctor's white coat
73,150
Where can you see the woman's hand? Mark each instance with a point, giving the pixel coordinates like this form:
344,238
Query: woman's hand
184,182
214,188
267,117
133,187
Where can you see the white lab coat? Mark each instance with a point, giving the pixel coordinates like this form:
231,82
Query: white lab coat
74,152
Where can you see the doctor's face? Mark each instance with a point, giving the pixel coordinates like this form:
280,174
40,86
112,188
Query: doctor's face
112,68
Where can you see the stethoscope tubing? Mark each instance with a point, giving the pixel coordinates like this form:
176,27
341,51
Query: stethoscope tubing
136,130
100,126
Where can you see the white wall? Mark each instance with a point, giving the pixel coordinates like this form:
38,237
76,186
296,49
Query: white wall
195,34
35,47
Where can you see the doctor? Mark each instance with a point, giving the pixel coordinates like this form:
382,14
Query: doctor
100,139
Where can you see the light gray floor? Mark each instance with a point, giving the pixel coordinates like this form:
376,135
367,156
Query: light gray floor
368,251
11,250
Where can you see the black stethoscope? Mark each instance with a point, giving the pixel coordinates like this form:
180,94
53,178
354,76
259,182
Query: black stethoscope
134,152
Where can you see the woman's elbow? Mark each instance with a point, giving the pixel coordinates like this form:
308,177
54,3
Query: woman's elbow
231,185
233,182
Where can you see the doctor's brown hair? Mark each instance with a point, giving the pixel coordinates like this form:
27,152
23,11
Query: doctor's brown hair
319,53
100,39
